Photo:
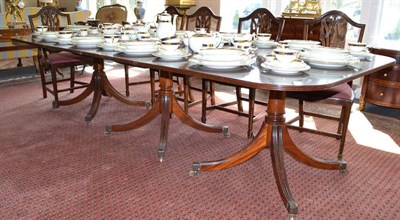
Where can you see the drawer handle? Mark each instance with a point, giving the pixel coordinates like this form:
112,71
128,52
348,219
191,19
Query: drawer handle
381,94
385,75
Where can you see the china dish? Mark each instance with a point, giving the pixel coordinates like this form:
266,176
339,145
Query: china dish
221,54
136,52
63,41
245,61
363,55
107,46
86,42
265,44
293,68
177,55
331,63
301,44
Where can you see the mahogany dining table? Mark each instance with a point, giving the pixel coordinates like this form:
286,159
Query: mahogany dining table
273,133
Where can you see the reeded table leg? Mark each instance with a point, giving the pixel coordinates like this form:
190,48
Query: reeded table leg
166,105
273,134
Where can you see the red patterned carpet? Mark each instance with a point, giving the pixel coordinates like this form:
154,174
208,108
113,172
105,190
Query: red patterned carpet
54,166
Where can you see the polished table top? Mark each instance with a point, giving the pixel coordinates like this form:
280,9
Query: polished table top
273,133
314,79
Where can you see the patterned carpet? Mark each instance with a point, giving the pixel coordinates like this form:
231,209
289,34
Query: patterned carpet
54,166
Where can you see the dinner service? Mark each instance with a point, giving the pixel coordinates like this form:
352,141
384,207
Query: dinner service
65,34
50,36
301,44
166,28
286,55
265,44
222,58
63,41
107,46
86,42
292,68
203,40
41,29
357,46
112,38
171,55
263,36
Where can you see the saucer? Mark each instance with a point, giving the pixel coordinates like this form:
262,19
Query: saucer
292,68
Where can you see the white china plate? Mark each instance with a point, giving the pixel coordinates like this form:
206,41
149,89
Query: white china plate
362,54
86,46
170,57
330,63
221,54
63,41
107,46
292,68
144,52
222,65
265,44
236,58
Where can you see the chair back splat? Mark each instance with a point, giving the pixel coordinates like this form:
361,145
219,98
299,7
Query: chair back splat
333,26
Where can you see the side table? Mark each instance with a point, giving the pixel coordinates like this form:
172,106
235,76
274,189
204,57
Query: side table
383,87
7,45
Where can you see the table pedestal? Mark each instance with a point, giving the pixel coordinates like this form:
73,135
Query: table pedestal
273,134
166,104
99,85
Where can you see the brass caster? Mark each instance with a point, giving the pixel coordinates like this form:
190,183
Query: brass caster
160,154
225,131
147,105
343,168
192,173
55,104
108,130
292,217
88,118
195,169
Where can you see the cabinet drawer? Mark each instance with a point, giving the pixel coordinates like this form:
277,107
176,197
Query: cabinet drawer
390,74
382,95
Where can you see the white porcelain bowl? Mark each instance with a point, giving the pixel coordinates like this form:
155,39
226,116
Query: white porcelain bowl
286,55
65,34
112,38
263,36
357,47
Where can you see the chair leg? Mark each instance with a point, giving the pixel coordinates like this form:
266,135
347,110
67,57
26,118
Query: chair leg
186,95
346,111
239,98
212,93
252,98
126,68
72,79
301,113
204,93
55,89
42,72
188,85
152,85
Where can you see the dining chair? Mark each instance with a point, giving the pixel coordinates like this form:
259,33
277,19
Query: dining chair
52,60
205,18
115,13
333,26
260,20
172,10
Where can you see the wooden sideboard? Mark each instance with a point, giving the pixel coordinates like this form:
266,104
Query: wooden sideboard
383,87
294,28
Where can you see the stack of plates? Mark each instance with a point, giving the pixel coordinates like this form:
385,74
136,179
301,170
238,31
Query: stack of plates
301,44
50,36
328,58
292,68
107,46
265,43
63,41
221,58
137,48
86,42
171,55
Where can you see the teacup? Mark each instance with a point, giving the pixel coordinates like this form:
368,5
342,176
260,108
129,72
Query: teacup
263,36
111,38
83,32
65,34
104,25
286,55
93,30
40,29
109,30
171,43
357,47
